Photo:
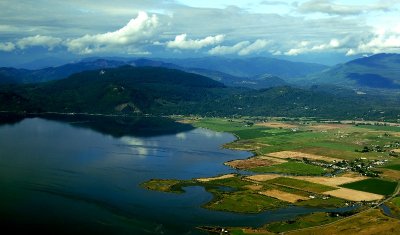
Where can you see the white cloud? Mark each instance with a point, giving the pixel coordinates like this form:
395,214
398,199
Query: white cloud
241,48
255,47
331,8
294,51
225,50
382,41
7,46
137,31
39,40
307,47
181,42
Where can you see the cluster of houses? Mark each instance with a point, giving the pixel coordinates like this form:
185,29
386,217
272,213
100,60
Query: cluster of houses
360,165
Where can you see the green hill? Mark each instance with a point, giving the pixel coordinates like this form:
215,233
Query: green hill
125,89
162,91
380,71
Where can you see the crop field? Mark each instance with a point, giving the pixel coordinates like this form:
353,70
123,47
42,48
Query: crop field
313,219
291,168
300,156
381,128
244,202
396,201
354,195
216,178
372,222
283,196
394,167
332,202
254,162
307,164
376,186
332,181
301,185
320,139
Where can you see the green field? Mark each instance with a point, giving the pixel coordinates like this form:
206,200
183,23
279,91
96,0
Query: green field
244,202
310,220
233,182
163,185
381,128
300,184
377,186
291,168
396,201
329,142
393,167
332,202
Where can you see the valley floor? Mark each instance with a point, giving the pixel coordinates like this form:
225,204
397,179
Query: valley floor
307,163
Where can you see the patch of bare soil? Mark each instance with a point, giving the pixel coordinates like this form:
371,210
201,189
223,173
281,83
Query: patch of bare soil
354,195
300,155
283,196
327,127
254,162
276,125
254,187
216,178
390,174
330,181
264,177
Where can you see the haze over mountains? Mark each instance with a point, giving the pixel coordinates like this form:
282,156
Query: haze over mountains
377,71
250,72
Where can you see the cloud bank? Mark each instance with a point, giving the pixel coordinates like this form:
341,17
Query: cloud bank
39,40
292,28
241,48
331,8
181,42
137,31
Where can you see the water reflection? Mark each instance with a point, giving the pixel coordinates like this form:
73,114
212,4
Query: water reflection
140,147
138,126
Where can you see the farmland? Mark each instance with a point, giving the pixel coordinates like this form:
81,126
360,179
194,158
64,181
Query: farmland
394,167
293,168
300,162
376,186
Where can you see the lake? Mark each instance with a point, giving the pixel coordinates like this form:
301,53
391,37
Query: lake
69,174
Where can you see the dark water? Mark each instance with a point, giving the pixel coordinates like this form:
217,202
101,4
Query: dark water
386,210
64,175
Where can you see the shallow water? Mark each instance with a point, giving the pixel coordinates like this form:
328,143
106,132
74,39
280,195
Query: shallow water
60,175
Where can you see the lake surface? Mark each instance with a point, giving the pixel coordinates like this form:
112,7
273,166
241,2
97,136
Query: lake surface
81,175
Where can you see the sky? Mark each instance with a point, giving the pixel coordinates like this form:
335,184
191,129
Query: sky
323,31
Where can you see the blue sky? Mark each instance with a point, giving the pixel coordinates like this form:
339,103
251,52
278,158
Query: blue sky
326,31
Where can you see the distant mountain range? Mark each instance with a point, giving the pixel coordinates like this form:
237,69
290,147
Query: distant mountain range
364,88
18,76
250,67
257,73
381,71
